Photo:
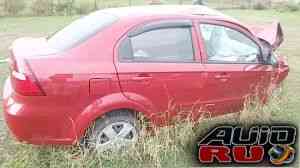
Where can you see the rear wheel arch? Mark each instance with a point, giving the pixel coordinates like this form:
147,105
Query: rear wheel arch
98,109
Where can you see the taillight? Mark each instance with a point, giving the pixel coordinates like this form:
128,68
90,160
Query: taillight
25,85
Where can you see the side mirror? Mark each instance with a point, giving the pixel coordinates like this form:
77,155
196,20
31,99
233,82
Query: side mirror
267,52
268,57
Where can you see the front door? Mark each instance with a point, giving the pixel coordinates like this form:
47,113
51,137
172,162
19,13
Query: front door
233,65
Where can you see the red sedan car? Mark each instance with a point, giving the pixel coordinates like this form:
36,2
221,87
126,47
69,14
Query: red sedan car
158,61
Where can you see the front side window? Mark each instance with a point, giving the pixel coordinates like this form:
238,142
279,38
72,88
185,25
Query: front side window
159,45
226,45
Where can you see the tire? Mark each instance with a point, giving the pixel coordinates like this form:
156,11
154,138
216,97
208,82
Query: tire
115,130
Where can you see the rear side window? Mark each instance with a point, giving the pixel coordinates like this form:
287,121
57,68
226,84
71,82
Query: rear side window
80,30
159,45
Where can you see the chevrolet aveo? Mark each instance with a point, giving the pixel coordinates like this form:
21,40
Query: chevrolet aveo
157,61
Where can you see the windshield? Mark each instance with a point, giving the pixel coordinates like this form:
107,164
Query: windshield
80,30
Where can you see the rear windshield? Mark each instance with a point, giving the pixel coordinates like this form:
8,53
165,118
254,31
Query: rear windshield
80,30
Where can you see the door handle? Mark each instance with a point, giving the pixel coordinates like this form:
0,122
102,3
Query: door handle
143,76
222,76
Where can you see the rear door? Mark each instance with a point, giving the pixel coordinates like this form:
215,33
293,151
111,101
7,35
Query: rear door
159,66
233,65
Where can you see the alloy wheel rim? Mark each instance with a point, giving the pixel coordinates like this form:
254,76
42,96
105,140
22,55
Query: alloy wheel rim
115,136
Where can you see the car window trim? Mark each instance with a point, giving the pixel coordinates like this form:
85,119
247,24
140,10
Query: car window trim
163,24
233,27
156,25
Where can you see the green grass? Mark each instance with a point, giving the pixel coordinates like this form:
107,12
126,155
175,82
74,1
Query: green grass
16,155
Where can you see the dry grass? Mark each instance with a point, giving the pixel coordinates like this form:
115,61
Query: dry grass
171,146
258,112
163,147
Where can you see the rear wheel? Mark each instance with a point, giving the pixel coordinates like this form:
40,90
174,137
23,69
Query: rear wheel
115,130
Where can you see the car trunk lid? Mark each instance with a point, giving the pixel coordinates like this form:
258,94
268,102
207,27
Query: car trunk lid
32,47
26,48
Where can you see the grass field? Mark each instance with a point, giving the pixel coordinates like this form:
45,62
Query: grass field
15,155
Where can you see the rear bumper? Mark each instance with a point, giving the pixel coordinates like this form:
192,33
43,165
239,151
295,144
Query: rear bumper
30,121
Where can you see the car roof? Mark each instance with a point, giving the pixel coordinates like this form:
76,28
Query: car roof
127,13
167,10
